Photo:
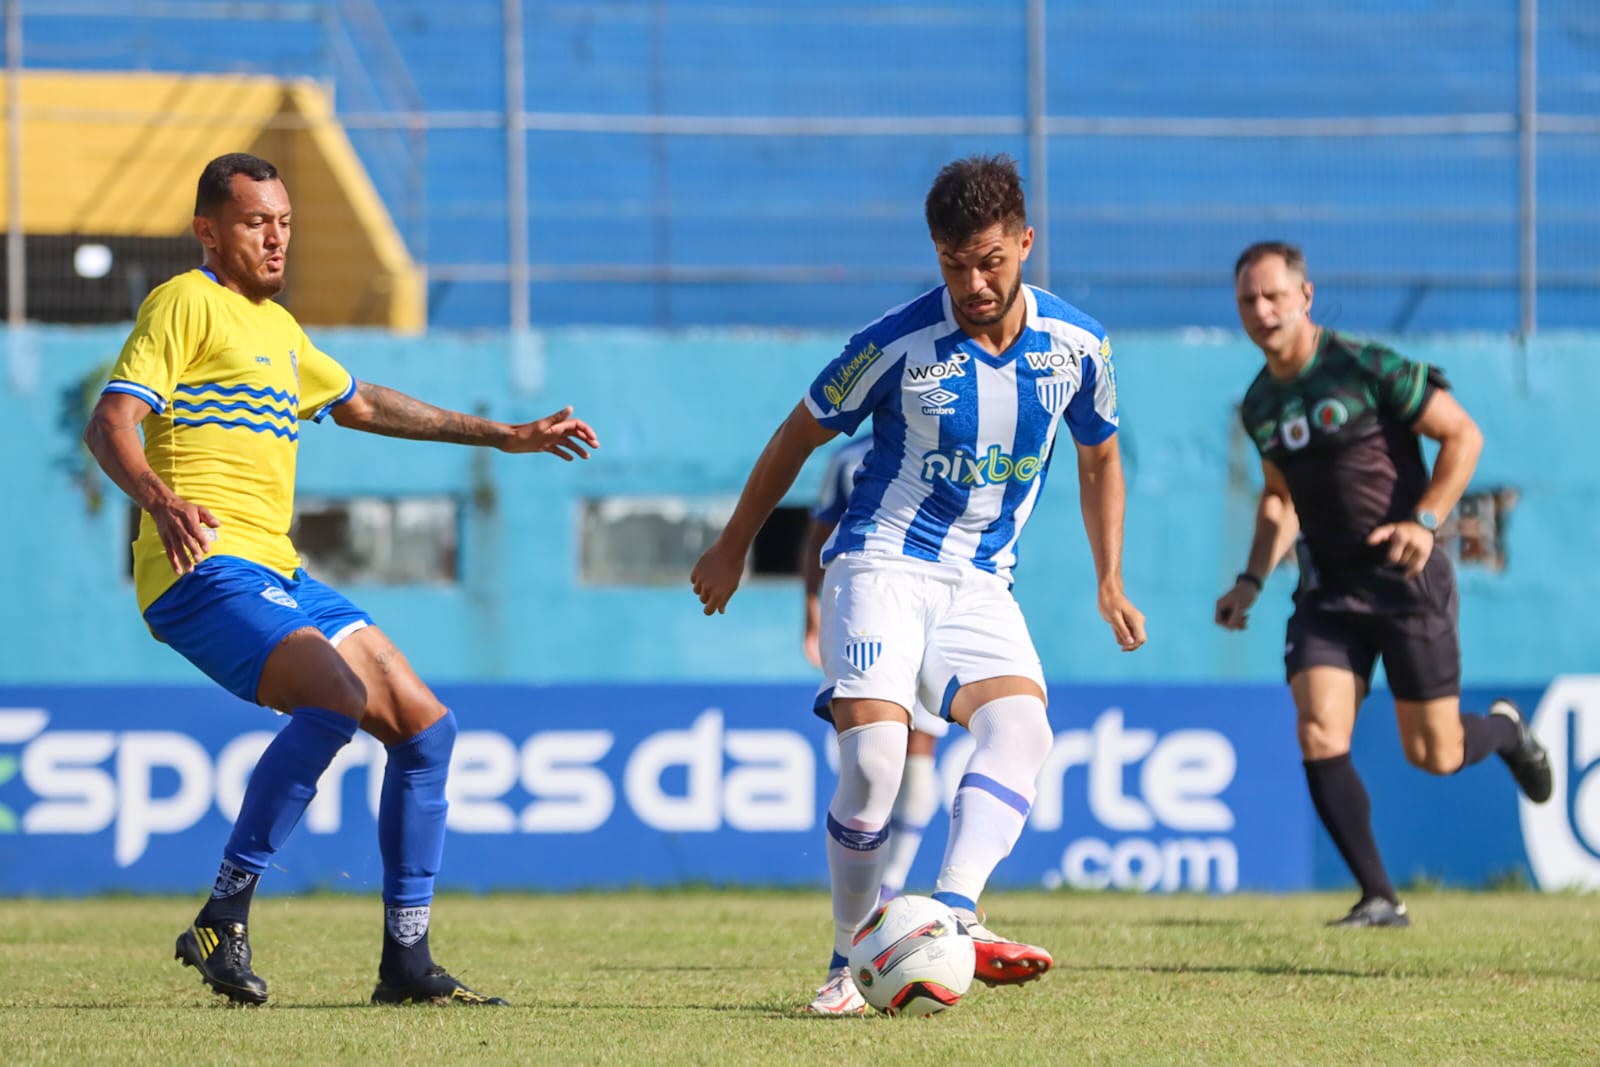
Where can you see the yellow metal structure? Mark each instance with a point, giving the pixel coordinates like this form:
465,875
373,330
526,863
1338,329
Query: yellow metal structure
119,155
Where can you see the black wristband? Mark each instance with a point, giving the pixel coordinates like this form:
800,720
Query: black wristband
1246,576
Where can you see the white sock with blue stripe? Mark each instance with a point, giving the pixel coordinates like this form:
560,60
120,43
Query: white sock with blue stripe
871,759
994,796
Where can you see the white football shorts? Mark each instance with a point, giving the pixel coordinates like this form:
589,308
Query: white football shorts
913,631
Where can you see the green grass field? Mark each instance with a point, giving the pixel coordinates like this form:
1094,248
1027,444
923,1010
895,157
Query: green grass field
718,977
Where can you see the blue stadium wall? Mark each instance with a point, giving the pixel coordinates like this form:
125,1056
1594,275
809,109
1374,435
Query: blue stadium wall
619,729
688,413
781,229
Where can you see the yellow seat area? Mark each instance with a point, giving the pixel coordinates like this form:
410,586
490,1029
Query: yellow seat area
119,155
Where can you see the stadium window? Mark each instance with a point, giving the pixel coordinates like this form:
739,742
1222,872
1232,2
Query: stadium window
377,540
1475,532
776,552
645,540
651,540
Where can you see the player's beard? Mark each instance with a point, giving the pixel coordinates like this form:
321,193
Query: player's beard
254,285
1002,311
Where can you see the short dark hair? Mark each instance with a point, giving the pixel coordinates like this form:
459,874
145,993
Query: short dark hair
973,194
216,181
1293,258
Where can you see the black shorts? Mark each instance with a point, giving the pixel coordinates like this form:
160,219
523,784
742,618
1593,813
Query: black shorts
1419,642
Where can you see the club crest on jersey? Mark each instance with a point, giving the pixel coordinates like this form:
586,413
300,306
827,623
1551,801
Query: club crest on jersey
1330,414
1052,392
1296,433
863,652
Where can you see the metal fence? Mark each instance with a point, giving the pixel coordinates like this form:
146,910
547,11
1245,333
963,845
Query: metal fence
671,163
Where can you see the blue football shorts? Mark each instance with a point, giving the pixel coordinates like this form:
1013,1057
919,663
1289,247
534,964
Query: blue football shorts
228,614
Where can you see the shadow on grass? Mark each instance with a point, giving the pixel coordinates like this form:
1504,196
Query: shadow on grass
1197,923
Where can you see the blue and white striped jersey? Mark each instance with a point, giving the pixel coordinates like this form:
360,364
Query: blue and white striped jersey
961,439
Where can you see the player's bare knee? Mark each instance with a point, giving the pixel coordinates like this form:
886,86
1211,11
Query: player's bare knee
419,711
1321,741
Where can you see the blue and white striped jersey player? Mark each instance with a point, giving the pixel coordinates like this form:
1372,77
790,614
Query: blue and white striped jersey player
965,386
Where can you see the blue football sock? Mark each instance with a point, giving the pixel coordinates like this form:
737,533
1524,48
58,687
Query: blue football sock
411,822
283,783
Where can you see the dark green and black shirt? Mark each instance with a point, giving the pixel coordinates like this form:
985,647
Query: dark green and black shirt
1342,434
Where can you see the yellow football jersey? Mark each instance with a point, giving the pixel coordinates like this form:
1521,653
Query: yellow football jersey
227,381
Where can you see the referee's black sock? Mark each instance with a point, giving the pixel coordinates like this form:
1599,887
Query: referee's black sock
1345,810
1483,735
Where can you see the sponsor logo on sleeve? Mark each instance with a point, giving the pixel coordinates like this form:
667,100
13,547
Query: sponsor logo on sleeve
839,387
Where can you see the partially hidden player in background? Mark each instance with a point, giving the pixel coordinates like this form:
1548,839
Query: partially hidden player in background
966,387
918,800
1337,420
218,375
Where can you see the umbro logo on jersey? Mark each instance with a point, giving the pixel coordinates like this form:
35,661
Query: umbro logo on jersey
937,402
265,361
278,596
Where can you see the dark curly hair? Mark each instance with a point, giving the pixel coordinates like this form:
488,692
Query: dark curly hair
973,194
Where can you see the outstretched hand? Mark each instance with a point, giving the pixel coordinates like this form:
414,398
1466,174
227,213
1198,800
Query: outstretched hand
559,434
1127,621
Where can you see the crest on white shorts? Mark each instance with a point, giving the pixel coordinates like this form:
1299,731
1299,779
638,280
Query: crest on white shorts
862,652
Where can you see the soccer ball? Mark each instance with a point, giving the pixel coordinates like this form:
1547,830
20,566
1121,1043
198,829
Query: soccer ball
912,957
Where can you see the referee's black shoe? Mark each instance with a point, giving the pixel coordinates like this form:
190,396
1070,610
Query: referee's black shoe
1529,762
221,953
1375,911
435,986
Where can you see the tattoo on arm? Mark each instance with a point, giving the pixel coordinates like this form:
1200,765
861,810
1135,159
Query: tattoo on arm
394,414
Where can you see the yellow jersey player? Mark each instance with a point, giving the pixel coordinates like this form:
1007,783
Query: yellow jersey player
218,377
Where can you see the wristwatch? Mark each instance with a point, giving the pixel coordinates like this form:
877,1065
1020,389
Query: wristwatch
1427,520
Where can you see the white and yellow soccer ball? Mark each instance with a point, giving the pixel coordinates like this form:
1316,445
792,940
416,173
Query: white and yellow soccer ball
912,957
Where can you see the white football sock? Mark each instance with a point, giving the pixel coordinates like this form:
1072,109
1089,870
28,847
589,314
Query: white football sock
914,808
871,758
995,793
